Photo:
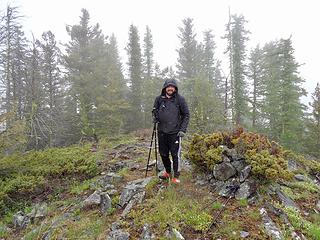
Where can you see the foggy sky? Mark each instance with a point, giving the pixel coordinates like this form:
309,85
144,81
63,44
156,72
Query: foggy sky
268,20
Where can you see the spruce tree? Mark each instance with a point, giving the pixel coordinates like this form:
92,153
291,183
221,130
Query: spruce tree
291,108
312,142
50,58
85,63
135,119
13,51
187,56
257,94
149,86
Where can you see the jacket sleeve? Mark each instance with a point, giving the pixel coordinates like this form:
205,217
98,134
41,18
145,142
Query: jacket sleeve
184,111
155,108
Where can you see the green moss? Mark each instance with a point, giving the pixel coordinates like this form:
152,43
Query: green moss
310,229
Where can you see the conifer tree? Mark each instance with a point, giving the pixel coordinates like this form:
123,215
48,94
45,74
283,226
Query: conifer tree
255,72
85,63
312,142
36,125
135,119
50,58
291,108
112,105
13,49
187,56
149,86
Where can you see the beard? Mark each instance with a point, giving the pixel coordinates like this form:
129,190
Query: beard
170,92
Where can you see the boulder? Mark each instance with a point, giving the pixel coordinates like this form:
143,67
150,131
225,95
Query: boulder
224,171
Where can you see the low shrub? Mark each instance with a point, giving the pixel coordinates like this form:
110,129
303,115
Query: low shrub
266,157
23,175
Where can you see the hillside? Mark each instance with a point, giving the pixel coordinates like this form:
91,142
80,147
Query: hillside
233,186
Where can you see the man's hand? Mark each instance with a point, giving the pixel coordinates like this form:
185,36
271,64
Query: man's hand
181,134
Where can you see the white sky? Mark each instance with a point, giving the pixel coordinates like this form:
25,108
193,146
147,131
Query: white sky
267,20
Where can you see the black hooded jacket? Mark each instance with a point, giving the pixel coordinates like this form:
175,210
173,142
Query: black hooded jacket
171,113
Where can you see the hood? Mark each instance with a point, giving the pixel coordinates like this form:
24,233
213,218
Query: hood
168,82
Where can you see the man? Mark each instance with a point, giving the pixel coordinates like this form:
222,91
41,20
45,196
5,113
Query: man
171,112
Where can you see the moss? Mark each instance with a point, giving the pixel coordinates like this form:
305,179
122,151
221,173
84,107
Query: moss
310,229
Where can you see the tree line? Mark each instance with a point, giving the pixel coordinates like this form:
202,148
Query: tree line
57,95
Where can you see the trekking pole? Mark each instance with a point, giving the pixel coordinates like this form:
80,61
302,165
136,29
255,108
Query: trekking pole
179,154
150,147
232,191
155,147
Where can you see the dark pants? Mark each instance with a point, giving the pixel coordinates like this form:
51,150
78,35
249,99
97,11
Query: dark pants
170,143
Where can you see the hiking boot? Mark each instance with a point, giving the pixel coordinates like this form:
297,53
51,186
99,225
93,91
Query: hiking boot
175,180
165,175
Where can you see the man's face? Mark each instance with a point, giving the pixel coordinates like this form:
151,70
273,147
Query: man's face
170,90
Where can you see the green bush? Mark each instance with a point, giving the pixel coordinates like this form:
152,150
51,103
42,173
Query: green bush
22,175
265,157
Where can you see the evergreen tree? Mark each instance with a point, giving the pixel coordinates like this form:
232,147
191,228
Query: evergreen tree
237,37
13,48
312,142
149,85
270,79
255,73
188,50
36,125
112,105
50,57
187,59
208,57
291,108
283,111
135,119
85,64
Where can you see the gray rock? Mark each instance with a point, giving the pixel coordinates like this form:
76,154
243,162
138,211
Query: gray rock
105,203
244,174
112,192
20,220
318,205
300,177
113,178
39,211
131,189
115,226
231,153
246,190
244,234
137,198
146,233
286,201
270,227
293,165
93,200
173,233
239,165
118,235
224,171
228,188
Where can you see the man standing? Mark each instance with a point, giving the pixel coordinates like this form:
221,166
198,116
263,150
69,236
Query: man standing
171,112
